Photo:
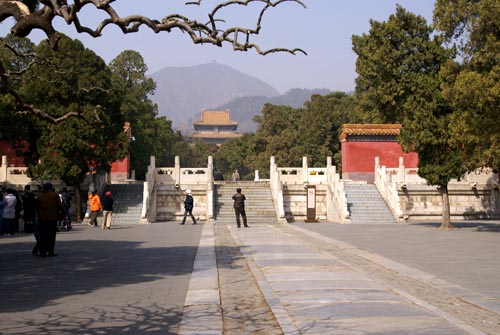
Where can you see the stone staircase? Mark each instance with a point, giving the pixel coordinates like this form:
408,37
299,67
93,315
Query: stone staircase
366,205
258,205
127,205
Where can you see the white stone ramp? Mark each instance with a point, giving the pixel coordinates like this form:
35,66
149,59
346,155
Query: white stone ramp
314,293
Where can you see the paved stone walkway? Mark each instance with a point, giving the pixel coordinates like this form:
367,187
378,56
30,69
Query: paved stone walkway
321,294
127,280
268,279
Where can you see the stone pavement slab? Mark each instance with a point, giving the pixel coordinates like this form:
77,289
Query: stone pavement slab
333,297
128,280
460,262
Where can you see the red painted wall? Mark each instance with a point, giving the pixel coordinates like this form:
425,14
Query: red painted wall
6,149
358,158
121,166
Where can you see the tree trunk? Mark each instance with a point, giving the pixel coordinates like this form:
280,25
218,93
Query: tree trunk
446,217
78,202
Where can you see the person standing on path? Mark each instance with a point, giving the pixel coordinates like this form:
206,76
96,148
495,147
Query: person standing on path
95,207
239,208
49,210
235,176
107,210
188,207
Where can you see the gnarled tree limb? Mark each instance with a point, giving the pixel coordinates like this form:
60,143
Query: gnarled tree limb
200,33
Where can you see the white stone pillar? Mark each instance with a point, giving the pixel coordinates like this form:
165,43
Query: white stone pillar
271,167
305,172
401,171
210,188
3,172
177,171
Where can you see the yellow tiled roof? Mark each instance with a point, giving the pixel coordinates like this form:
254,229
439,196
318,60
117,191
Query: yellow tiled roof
215,135
215,118
370,129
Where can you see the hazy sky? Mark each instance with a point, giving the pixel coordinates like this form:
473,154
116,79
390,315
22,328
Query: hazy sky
323,30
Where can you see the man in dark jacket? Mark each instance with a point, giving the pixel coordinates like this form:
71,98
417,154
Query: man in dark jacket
107,210
188,206
49,210
239,208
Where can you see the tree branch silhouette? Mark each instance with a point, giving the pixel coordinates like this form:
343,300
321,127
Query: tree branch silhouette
210,32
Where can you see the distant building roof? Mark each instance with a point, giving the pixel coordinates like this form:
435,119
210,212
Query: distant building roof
224,135
215,118
370,130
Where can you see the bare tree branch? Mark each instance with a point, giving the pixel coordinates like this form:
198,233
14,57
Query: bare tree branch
200,33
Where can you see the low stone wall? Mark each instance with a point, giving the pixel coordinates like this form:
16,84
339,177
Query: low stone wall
422,202
170,202
295,202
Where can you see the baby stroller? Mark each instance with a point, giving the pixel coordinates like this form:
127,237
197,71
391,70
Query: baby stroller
64,224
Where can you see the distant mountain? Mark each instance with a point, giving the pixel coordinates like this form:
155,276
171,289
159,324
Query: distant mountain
182,92
245,108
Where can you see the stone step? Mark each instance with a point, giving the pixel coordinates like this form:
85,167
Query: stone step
128,198
366,205
259,204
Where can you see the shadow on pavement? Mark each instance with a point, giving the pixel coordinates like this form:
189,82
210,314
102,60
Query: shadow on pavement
131,320
29,282
483,226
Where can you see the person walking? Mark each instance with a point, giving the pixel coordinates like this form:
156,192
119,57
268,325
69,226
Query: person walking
49,210
107,210
235,176
239,208
66,200
9,212
95,207
188,207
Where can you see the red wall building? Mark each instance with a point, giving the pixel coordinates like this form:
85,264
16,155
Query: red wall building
120,170
13,152
361,143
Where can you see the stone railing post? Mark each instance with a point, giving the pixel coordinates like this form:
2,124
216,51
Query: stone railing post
177,173
277,190
148,213
210,188
305,172
401,171
3,168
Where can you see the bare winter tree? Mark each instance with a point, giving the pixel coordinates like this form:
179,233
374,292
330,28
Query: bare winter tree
34,14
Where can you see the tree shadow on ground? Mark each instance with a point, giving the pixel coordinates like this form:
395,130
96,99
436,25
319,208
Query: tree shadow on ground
98,285
475,226
151,320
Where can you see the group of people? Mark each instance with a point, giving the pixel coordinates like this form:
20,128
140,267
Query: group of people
218,176
14,207
40,214
96,206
